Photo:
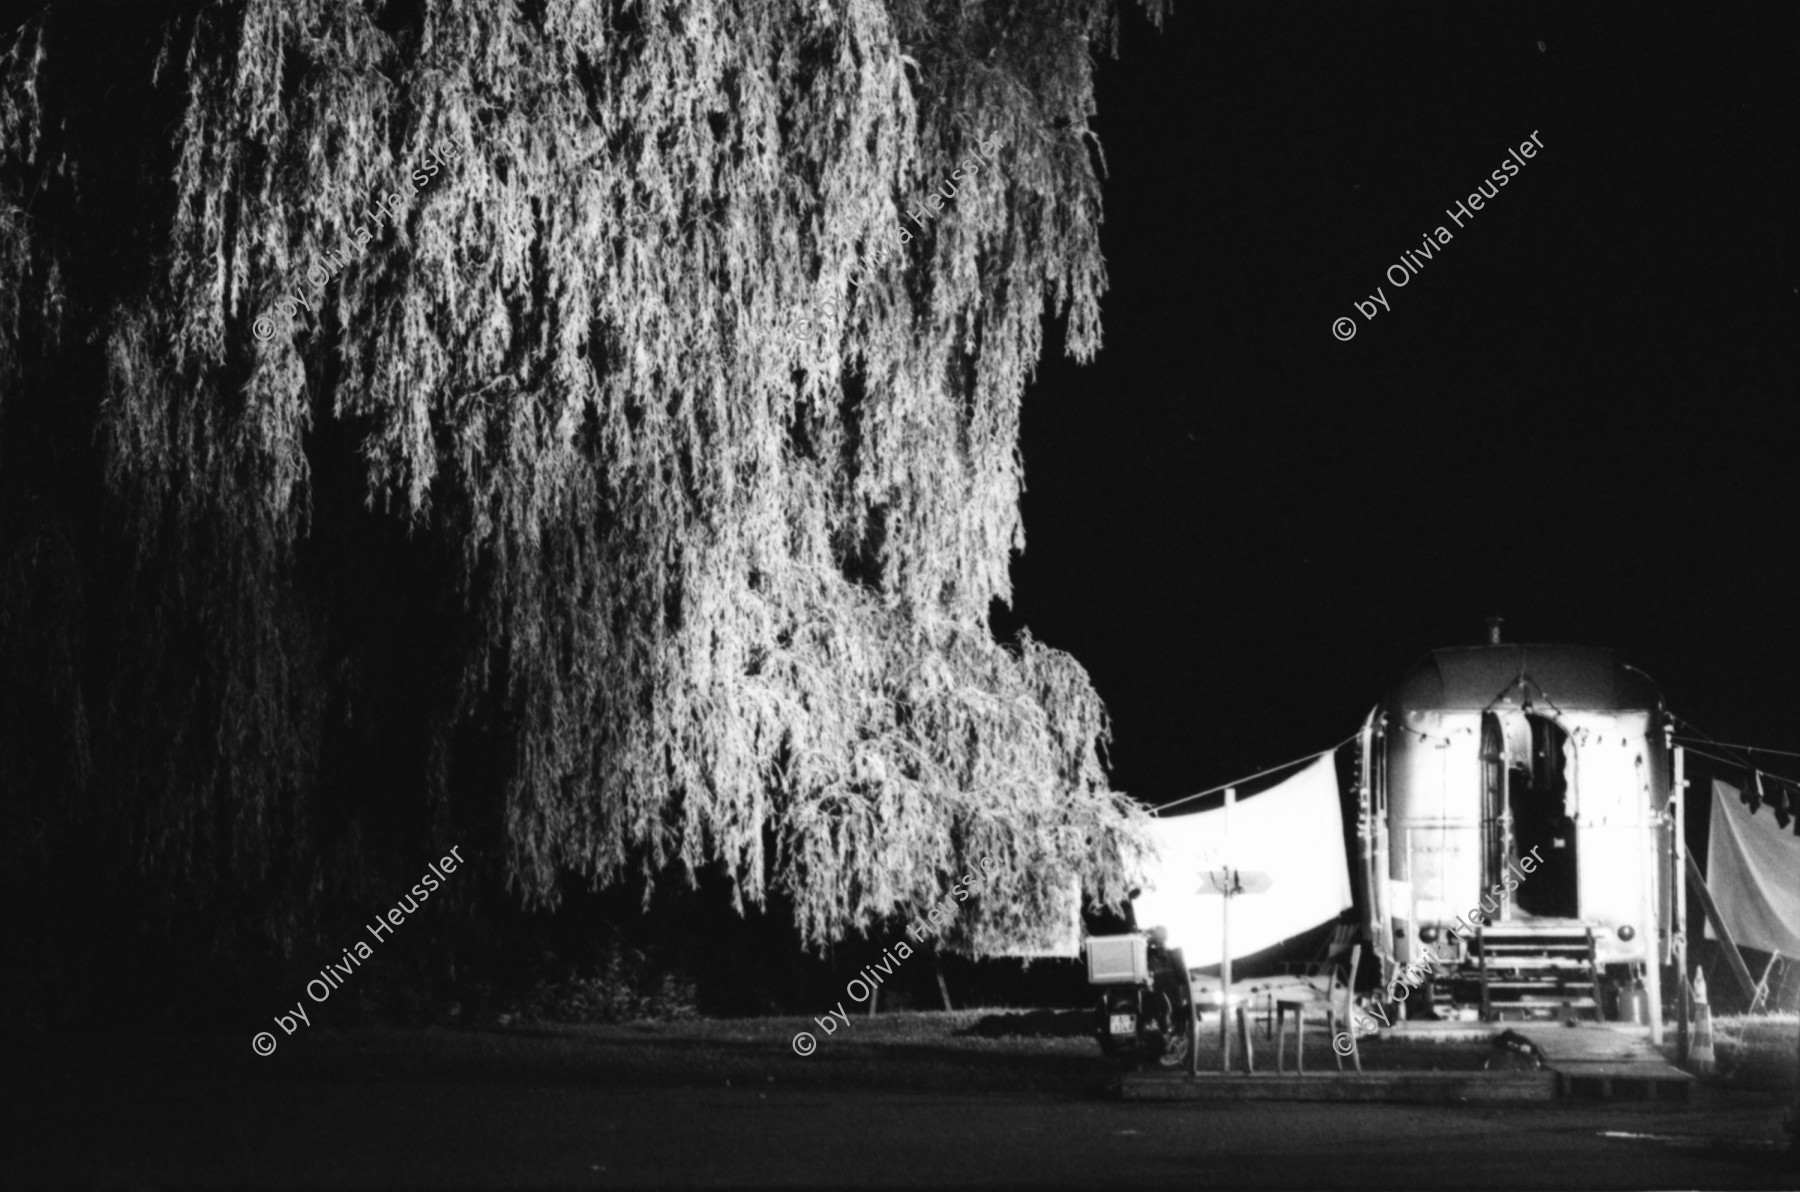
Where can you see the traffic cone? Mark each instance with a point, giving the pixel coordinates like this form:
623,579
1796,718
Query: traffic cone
1701,1057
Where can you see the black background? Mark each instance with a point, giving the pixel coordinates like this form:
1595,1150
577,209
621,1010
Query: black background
1580,415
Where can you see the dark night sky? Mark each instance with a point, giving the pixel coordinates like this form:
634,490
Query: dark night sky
1580,415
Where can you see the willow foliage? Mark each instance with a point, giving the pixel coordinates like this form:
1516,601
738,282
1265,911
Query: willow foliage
727,589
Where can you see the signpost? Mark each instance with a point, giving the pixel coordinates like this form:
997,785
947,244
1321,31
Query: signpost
1227,883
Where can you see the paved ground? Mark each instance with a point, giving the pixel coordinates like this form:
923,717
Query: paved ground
622,1107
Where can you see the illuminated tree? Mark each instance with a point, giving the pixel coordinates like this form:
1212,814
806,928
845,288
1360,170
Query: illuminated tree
723,589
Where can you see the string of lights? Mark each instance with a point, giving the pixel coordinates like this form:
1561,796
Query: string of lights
1745,748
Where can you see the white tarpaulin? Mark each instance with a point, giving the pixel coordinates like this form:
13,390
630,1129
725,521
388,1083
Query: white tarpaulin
1294,832
1753,871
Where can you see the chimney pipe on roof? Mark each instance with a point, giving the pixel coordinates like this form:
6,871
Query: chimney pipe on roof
1493,629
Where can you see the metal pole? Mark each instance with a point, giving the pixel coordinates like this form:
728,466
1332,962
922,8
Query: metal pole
1678,808
1225,943
1678,939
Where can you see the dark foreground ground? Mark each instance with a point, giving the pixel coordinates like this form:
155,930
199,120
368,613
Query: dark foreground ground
897,1100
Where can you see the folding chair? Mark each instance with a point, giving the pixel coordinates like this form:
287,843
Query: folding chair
1335,1001
1317,972
1332,957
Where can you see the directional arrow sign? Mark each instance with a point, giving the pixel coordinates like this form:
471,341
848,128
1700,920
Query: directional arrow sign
1254,881
1236,881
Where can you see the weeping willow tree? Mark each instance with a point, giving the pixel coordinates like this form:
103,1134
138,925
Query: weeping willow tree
719,592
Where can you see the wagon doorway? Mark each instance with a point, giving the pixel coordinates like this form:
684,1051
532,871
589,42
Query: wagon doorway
1526,806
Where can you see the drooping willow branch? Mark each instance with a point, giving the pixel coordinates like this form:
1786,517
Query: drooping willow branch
726,588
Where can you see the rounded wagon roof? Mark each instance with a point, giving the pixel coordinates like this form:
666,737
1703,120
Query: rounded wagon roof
1471,678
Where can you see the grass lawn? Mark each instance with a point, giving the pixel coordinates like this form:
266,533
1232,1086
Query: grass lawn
898,1052
909,1052
1757,1052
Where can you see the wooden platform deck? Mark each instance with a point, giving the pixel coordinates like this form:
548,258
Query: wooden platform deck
1600,1060
1430,1087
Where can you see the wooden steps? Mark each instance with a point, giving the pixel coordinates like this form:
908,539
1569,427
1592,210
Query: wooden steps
1537,970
